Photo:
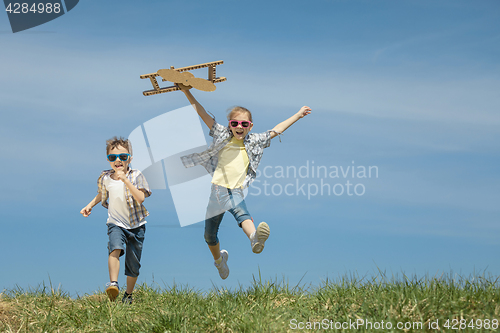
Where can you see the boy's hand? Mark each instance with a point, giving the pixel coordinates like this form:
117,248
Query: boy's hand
120,175
86,211
304,111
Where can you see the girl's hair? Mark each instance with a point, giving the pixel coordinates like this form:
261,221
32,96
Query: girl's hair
115,142
238,109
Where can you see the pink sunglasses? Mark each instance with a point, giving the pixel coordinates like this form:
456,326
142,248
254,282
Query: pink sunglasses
244,123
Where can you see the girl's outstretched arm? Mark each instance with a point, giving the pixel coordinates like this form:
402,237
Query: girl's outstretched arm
209,121
281,127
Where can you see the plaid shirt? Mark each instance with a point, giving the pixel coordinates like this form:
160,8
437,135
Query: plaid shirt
254,146
137,211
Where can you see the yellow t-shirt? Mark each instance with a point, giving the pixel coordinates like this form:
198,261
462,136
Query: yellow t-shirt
232,165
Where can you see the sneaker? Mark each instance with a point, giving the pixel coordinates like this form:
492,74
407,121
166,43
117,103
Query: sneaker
127,298
222,267
259,237
112,290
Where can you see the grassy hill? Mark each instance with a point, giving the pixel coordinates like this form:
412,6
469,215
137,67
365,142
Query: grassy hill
349,304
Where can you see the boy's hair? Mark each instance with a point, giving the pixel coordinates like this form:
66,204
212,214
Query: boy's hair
238,109
118,141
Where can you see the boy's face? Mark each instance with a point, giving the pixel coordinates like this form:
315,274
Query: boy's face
240,132
118,164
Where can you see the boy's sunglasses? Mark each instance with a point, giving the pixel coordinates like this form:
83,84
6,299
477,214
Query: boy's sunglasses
122,157
235,123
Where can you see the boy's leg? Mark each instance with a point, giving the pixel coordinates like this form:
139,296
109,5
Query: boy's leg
135,240
127,295
112,288
114,265
115,250
131,284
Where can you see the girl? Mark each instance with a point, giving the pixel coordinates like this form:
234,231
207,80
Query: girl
232,159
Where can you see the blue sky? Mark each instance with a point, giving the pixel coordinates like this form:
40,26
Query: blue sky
410,87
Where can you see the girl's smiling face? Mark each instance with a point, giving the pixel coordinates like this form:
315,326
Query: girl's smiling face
239,131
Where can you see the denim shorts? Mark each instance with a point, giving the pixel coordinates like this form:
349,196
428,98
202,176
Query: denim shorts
221,200
129,241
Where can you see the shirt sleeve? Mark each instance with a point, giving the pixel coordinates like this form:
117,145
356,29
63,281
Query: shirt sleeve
101,188
142,184
100,183
217,130
262,139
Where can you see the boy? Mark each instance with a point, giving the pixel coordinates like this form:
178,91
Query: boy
122,191
232,159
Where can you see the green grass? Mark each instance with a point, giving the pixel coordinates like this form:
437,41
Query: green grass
266,306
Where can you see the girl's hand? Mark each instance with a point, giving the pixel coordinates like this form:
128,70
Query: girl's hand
304,111
183,87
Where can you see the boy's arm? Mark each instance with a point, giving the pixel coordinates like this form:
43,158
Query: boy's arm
138,195
281,127
88,209
209,121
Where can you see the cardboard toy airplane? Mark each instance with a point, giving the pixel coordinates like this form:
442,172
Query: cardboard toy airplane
184,77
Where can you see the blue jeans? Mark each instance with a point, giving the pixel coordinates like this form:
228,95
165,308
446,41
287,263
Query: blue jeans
133,239
221,200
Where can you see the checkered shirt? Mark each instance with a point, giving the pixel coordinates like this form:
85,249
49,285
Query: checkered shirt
137,211
254,146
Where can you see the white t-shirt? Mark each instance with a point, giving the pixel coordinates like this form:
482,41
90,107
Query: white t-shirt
118,211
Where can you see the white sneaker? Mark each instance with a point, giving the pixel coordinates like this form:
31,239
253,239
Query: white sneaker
259,237
222,267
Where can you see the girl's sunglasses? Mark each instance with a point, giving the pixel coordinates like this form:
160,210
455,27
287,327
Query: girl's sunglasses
122,157
235,123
